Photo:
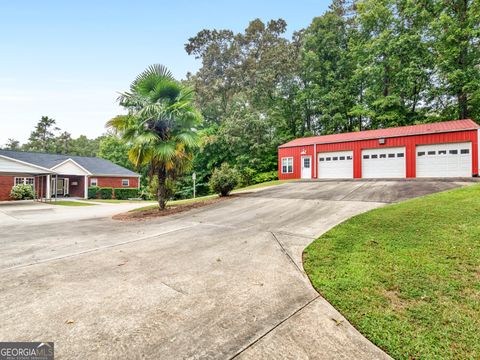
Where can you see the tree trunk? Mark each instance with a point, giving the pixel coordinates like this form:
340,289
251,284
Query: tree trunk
162,188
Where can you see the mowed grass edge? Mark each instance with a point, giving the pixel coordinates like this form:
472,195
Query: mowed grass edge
407,275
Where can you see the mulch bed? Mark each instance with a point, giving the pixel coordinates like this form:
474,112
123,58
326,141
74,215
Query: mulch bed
170,210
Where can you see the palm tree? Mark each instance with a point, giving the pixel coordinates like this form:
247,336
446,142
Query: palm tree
160,125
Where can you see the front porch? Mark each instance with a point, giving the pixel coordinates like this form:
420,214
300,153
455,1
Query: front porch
52,187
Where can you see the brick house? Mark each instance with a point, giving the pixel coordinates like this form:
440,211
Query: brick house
54,175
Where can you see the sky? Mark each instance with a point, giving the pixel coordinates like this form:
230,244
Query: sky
69,59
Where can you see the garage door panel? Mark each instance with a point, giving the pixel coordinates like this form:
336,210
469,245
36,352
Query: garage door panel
335,165
444,160
383,163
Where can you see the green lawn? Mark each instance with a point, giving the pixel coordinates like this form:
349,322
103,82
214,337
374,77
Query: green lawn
198,199
70,203
407,275
115,201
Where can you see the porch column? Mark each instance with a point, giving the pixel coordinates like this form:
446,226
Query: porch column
85,195
49,190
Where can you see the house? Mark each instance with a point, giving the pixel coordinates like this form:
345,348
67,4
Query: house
54,175
442,149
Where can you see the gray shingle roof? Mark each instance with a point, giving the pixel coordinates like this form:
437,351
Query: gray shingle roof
96,166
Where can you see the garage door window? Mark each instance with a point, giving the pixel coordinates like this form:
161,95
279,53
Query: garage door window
421,153
442,152
366,156
431,153
400,155
287,165
464,151
453,152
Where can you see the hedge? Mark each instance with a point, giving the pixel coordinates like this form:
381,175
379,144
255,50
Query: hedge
126,193
92,192
105,193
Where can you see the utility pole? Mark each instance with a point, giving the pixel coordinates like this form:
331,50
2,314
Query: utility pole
194,177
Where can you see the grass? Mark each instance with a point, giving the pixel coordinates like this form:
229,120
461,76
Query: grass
407,276
115,201
203,198
70,203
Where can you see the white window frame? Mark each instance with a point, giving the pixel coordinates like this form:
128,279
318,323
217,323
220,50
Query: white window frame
127,182
24,181
93,180
287,165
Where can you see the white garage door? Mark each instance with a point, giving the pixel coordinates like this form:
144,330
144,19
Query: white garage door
444,160
335,165
383,163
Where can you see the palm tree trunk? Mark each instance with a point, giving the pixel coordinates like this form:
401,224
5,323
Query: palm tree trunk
162,187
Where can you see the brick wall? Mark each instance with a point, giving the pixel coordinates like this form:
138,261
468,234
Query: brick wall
115,182
6,184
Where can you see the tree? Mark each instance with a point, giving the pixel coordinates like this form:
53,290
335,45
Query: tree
160,130
115,150
43,137
12,144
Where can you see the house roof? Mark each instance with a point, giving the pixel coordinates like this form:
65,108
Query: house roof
439,127
96,166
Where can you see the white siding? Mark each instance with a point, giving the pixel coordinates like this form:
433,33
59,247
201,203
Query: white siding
12,167
69,168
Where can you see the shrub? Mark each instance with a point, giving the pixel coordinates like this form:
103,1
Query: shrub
126,193
224,180
105,193
22,192
92,192
246,176
265,176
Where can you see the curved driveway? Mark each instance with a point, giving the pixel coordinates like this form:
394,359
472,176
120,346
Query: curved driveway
224,281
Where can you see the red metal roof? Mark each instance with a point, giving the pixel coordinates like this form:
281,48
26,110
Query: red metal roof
432,128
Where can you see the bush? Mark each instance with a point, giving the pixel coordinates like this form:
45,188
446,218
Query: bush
22,192
105,193
92,192
223,180
126,193
246,176
265,176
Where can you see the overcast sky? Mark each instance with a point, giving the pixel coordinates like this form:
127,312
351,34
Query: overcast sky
69,59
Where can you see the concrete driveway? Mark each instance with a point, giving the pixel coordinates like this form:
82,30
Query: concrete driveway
225,281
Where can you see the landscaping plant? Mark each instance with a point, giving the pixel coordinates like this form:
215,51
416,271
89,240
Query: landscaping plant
224,179
22,192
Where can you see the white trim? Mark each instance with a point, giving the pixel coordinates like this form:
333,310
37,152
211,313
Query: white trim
23,177
281,165
90,181
74,162
27,163
85,187
128,182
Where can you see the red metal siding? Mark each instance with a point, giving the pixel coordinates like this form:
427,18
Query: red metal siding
409,142
296,153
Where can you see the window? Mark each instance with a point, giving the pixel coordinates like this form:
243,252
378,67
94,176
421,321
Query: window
453,152
400,155
125,182
421,153
391,155
335,158
287,165
24,180
328,159
374,156
366,156
322,159
465,151
442,152
431,153
349,157
383,156
93,182
342,157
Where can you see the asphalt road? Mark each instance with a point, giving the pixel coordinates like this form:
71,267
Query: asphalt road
224,281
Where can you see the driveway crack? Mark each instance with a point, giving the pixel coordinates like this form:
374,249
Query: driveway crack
287,254
274,327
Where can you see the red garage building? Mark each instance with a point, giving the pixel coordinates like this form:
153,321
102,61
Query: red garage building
443,149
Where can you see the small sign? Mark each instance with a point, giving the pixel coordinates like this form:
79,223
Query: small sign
194,176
